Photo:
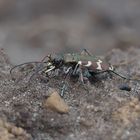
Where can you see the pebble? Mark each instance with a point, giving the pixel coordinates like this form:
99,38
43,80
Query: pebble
125,87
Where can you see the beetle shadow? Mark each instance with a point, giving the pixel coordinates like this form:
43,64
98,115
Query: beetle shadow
97,79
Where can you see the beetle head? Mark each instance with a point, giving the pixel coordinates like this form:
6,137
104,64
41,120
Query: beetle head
57,61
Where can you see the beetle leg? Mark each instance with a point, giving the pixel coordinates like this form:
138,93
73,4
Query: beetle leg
80,72
68,70
81,76
75,69
120,75
50,69
99,72
64,87
85,51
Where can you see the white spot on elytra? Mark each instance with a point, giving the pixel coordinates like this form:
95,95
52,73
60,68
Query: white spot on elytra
111,68
99,65
80,62
88,64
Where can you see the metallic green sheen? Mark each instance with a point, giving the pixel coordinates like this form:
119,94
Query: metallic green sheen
78,57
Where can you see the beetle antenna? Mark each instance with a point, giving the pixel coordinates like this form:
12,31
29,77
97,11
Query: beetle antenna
36,71
47,56
22,65
87,52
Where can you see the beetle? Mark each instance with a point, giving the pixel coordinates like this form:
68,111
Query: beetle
82,64
73,64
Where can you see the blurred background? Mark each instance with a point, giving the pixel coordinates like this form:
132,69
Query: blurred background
30,29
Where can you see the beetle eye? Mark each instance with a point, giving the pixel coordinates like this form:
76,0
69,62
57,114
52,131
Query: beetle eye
58,61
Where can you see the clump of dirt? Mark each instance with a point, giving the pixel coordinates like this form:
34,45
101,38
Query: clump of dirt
129,112
10,132
56,103
90,106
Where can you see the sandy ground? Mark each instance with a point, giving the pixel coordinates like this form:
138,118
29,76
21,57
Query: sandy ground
97,111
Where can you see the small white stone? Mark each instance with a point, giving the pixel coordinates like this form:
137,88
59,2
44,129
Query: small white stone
90,106
52,119
14,98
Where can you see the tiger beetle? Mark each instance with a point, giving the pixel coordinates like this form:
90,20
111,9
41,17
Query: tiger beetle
82,64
